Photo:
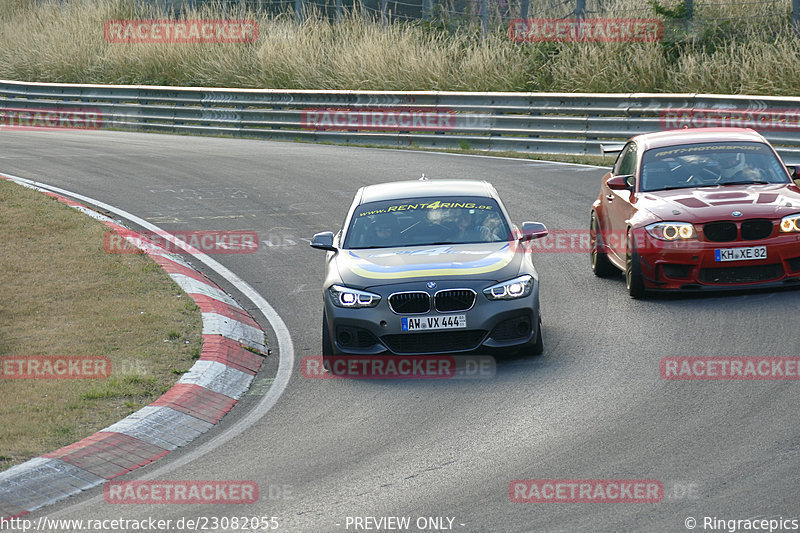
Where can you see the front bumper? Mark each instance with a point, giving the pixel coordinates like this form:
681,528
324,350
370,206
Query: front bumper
692,265
490,325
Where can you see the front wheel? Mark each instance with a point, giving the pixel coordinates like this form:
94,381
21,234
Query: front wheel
633,270
601,266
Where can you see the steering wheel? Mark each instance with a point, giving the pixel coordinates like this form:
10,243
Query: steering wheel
427,231
702,176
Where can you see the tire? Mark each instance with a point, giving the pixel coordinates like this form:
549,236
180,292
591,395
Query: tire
633,270
538,347
601,266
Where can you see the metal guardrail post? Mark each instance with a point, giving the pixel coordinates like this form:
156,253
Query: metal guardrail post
426,9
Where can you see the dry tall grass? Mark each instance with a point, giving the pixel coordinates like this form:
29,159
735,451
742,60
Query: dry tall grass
724,50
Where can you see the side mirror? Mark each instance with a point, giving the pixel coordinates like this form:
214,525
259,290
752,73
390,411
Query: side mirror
621,183
533,230
794,172
323,241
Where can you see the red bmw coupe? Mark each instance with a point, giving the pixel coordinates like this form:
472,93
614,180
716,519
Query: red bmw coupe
699,209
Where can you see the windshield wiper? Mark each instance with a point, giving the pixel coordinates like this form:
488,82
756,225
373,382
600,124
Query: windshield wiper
754,182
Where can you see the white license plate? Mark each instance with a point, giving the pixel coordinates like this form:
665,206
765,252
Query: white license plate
740,254
413,323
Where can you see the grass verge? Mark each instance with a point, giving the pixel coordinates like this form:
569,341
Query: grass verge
64,295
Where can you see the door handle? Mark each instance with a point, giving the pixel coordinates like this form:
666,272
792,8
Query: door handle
610,197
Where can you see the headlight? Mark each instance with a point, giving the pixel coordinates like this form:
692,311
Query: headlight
352,298
519,287
671,231
790,223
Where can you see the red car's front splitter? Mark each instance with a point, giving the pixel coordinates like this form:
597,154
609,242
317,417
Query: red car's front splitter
692,264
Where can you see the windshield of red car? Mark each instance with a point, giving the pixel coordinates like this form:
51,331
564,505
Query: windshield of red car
710,164
420,221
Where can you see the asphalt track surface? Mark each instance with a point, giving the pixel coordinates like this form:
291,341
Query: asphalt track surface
592,407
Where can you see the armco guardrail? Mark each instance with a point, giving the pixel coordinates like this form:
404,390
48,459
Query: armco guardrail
554,123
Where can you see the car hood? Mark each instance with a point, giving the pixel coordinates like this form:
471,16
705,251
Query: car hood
718,203
363,268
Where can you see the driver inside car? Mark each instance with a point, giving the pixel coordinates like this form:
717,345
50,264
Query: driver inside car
733,167
383,232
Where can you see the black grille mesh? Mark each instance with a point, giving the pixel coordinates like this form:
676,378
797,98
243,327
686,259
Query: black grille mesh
727,231
720,231
756,229
410,302
438,342
454,300
744,274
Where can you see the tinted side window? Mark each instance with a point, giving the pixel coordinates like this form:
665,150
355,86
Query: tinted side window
626,164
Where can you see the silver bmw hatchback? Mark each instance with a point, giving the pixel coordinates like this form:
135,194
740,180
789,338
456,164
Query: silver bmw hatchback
430,267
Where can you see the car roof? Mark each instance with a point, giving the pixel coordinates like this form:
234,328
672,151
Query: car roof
426,189
695,135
